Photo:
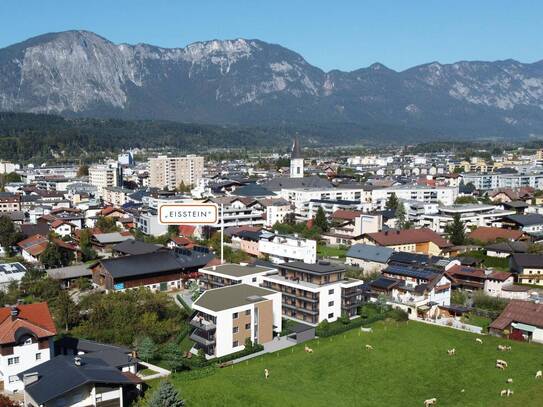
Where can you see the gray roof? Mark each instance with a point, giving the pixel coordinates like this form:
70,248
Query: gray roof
153,263
279,183
232,296
86,345
62,273
526,220
133,246
528,260
368,252
253,190
322,267
61,375
237,270
508,247
112,237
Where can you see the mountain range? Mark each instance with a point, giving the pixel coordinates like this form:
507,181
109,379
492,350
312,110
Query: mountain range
254,83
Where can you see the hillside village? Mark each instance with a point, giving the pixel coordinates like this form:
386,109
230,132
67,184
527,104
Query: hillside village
101,298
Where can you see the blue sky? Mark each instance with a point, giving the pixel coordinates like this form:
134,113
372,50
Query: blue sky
330,34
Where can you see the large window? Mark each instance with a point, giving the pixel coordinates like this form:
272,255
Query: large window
13,361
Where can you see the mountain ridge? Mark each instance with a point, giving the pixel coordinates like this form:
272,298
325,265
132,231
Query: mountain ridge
249,82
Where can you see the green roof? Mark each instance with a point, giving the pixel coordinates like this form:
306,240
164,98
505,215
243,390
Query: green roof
220,299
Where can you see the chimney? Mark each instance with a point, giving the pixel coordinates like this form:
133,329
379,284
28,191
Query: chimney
14,312
29,378
77,361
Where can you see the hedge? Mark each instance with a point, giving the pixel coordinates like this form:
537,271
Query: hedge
183,303
338,327
183,334
196,363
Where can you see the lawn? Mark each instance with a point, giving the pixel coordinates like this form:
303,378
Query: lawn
409,364
331,251
494,262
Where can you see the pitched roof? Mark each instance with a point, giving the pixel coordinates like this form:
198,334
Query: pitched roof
409,236
133,246
343,214
368,252
61,375
296,151
465,271
488,234
526,220
253,190
34,245
499,275
524,312
33,317
508,247
186,230
528,260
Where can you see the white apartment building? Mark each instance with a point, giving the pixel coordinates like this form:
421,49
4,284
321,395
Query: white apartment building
104,176
147,222
443,195
470,214
170,172
228,316
300,196
26,341
494,180
238,211
227,274
7,167
312,293
285,248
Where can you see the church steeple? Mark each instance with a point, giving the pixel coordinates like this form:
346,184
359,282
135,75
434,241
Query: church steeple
296,160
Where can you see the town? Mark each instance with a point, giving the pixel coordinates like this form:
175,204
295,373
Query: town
104,300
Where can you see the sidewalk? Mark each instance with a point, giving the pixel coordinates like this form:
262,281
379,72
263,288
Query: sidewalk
270,347
160,372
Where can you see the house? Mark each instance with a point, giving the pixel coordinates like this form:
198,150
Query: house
276,210
73,381
315,292
69,274
486,234
505,249
248,241
496,281
130,247
26,340
179,242
369,258
531,223
32,247
349,231
520,320
158,271
63,227
104,242
229,274
421,240
468,278
229,316
10,272
9,202
284,248
422,260
510,194
528,268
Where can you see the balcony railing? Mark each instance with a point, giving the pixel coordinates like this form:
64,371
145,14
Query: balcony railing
202,324
196,337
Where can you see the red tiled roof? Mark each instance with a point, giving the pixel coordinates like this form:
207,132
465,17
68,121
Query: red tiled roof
488,234
525,312
408,236
35,317
59,222
109,210
499,275
345,214
34,245
186,230
181,241
461,271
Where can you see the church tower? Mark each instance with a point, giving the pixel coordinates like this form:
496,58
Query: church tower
296,160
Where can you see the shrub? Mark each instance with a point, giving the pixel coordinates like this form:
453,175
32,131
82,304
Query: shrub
397,314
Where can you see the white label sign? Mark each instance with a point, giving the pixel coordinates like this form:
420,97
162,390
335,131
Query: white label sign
188,214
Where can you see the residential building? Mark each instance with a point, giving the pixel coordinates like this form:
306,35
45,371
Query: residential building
430,194
315,292
235,211
531,223
495,283
528,268
422,240
369,258
491,181
276,209
9,273
32,247
171,172
148,223
9,202
285,248
26,340
104,176
350,226
116,196
230,274
227,317
521,320
486,234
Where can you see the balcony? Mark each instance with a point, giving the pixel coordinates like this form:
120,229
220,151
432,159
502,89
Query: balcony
203,338
301,309
202,324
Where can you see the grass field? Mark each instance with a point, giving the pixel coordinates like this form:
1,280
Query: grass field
409,364
331,251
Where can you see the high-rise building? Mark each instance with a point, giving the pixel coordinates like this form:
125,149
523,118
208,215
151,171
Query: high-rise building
103,176
296,160
172,171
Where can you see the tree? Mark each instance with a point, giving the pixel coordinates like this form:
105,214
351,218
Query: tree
65,310
5,401
83,171
146,348
455,230
173,230
9,236
466,199
84,238
290,218
392,202
54,256
320,220
106,224
184,187
172,356
401,217
165,396
194,290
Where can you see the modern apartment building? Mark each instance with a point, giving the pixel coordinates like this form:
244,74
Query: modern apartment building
312,293
283,248
9,202
496,180
172,171
444,195
228,316
104,176
230,274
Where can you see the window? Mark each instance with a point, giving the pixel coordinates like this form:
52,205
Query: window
38,356
28,341
331,303
13,379
330,292
13,361
248,312
254,280
235,344
331,315
235,330
235,315
247,326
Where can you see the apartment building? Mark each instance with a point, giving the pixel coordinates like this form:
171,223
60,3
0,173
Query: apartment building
236,211
229,316
497,180
26,340
170,172
230,274
116,196
284,248
312,293
300,196
424,241
104,176
9,202
423,193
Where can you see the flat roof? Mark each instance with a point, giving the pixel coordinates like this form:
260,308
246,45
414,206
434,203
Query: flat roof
232,296
322,267
237,270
